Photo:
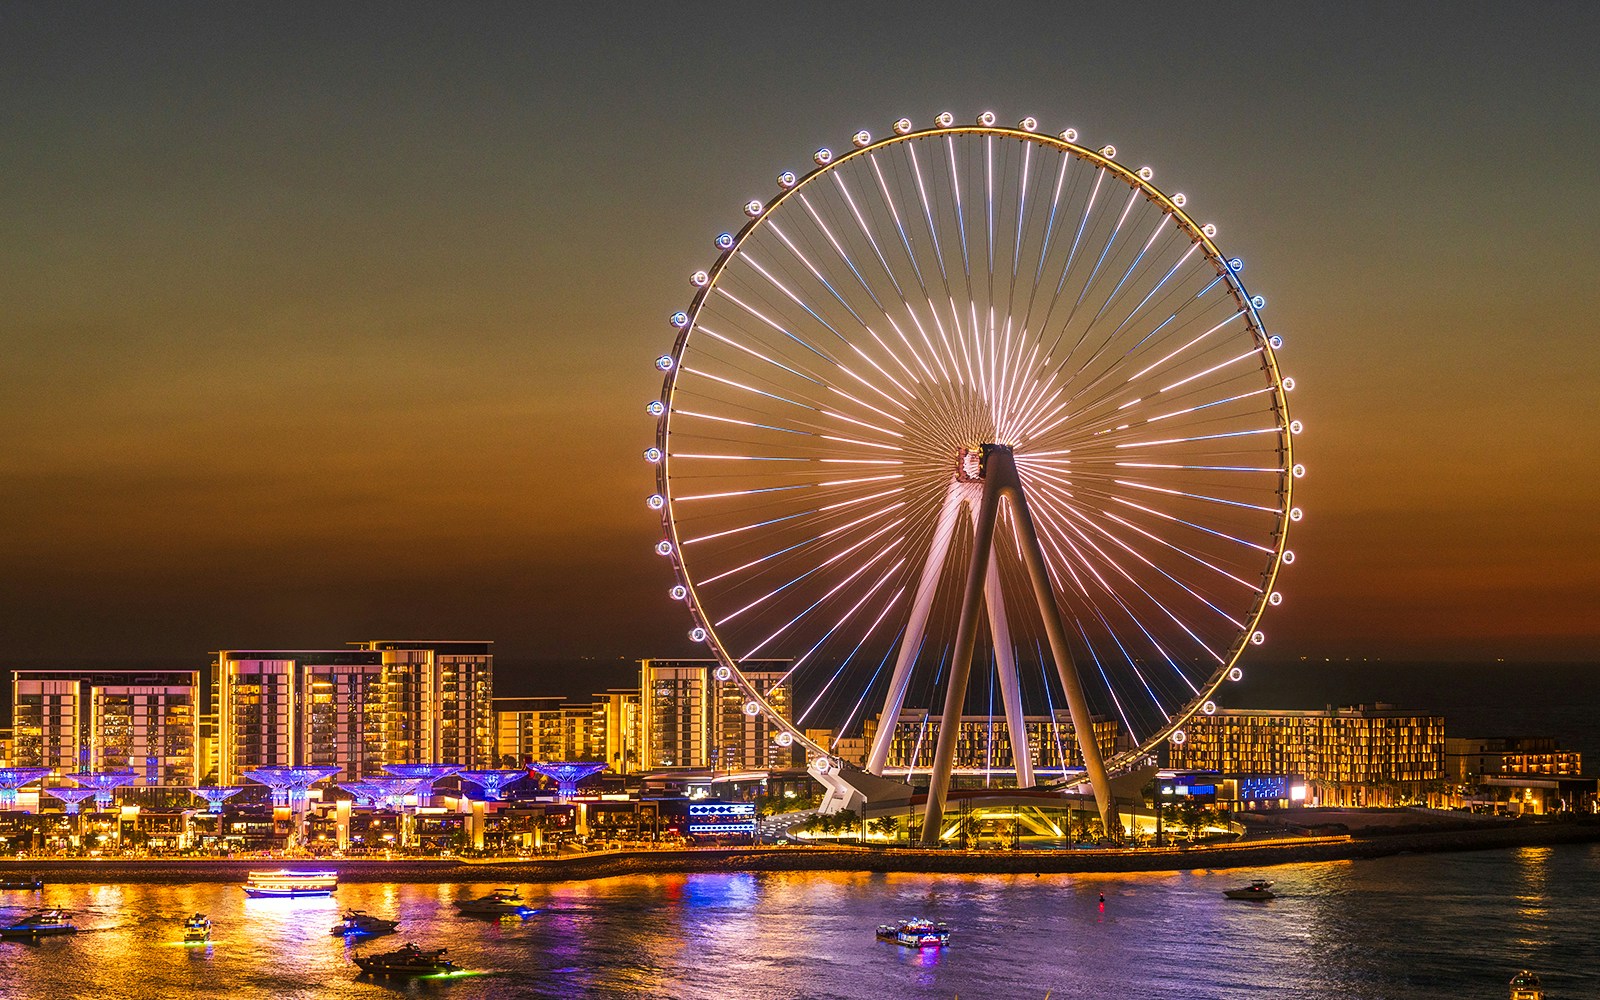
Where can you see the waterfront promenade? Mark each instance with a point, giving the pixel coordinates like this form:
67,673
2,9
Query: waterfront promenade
830,858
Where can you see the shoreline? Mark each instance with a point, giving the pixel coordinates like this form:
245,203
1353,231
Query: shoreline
870,860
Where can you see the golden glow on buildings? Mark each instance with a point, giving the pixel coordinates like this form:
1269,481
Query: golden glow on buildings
984,742
1358,755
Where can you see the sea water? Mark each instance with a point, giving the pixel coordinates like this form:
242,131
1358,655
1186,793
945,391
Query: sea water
1442,926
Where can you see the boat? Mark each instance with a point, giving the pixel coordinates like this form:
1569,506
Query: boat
40,923
197,929
916,933
22,884
1525,986
499,903
360,923
407,961
285,884
1259,890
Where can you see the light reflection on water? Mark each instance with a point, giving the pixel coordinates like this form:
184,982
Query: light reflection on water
1427,926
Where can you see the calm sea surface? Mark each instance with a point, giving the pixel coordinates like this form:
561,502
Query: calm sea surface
1446,926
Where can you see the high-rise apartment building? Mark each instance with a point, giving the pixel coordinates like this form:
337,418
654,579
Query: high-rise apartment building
442,694
142,721
692,720
358,709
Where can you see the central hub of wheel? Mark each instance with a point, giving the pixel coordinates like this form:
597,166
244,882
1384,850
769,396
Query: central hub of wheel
972,462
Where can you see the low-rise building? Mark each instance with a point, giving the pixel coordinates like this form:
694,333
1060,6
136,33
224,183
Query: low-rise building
1360,755
1471,758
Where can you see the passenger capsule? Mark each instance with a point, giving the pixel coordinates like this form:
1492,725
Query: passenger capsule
823,156
902,126
945,119
862,138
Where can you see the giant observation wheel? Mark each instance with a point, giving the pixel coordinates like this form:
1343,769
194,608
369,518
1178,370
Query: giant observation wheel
974,421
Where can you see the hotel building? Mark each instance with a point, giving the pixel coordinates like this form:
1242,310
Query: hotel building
142,721
1354,756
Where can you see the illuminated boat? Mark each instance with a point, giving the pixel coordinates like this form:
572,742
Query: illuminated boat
1525,986
1259,890
407,961
360,923
197,929
916,933
40,923
499,903
285,884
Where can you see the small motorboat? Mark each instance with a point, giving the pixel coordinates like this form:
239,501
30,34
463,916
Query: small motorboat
1259,890
21,884
360,923
407,961
1525,986
499,903
286,884
40,923
197,929
916,933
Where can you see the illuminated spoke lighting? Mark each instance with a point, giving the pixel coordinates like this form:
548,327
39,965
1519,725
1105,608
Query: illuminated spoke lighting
917,307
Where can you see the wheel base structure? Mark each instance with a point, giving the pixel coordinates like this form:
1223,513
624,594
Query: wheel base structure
1000,481
846,786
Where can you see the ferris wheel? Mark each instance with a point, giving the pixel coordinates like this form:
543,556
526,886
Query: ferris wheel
975,421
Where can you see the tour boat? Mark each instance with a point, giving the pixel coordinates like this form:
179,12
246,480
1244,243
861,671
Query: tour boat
1259,890
408,961
501,902
22,884
916,933
39,924
284,884
197,929
360,923
1525,986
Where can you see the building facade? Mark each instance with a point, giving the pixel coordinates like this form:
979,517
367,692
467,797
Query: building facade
983,744
1467,760
444,691
691,720
383,702
142,721
528,730
1353,756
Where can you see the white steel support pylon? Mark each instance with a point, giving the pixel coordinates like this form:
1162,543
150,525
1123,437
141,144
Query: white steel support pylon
996,472
967,493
